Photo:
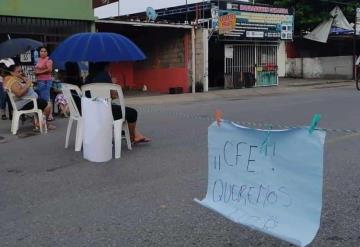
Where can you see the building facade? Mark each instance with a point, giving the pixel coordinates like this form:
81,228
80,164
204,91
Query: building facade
49,21
242,44
168,64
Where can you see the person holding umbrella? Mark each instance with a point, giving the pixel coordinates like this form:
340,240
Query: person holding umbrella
100,49
8,49
43,72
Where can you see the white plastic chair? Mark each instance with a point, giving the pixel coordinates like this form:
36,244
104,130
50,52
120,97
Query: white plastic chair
103,90
17,113
74,115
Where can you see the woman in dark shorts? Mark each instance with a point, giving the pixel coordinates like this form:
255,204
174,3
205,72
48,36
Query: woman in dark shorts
100,73
21,87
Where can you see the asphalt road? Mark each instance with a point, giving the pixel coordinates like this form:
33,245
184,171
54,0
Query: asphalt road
51,196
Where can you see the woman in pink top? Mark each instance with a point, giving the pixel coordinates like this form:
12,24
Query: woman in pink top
43,72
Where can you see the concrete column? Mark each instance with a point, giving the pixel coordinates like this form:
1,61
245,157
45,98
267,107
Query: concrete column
206,60
281,59
193,59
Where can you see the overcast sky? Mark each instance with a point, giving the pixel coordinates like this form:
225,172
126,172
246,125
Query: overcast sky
134,6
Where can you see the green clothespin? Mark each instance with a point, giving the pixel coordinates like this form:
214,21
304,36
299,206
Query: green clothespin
314,122
266,141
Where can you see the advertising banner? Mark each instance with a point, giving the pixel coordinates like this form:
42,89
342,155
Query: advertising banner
215,17
259,22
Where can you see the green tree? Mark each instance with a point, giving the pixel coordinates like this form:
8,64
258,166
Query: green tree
310,13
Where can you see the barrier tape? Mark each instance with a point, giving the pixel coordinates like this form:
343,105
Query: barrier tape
249,124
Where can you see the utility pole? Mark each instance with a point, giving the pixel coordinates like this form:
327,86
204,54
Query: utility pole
354,43
203,10
118,8
354,50
186,17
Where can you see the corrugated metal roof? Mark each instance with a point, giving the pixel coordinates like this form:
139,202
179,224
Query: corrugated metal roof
144,24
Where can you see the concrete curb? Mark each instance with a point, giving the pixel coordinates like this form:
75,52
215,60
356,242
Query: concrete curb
285,86
318,83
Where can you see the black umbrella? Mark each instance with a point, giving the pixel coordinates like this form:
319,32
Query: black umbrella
14,47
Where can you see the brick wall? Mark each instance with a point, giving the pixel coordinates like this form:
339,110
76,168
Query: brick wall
168,62
164,50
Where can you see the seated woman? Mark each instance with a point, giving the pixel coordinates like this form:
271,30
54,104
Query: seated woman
20,86
98,72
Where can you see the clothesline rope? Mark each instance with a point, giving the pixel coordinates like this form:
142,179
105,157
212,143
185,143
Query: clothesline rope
250,124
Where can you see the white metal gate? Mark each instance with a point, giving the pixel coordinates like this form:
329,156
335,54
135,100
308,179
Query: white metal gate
247,63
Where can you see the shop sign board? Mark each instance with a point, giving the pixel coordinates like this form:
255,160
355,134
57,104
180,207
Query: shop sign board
357,31
227,23
254,34
229,51
25,57
259,22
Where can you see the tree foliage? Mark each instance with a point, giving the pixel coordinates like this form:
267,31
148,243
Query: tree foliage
310,13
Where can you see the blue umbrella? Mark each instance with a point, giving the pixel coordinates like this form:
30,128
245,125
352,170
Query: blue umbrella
97,47
14,47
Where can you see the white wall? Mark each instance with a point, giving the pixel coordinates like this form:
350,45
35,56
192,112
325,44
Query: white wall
201,51
320,67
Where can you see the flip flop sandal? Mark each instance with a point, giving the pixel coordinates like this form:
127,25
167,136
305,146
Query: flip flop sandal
36,129
142,140
51,127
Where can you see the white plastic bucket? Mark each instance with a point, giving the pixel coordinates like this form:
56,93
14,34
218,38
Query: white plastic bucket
97,127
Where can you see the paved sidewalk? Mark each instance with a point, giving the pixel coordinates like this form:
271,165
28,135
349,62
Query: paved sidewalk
286,85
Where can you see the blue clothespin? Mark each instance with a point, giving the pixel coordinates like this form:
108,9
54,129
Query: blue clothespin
314,122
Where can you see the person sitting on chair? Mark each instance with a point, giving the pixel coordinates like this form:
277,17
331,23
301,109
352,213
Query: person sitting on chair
98,72
3,100
20,86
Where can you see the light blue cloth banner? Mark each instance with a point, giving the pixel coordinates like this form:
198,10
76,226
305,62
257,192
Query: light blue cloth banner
270,181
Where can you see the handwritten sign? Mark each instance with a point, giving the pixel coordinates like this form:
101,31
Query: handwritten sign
270,181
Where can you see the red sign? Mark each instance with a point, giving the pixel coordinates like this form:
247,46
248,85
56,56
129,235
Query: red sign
99,3
227,23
